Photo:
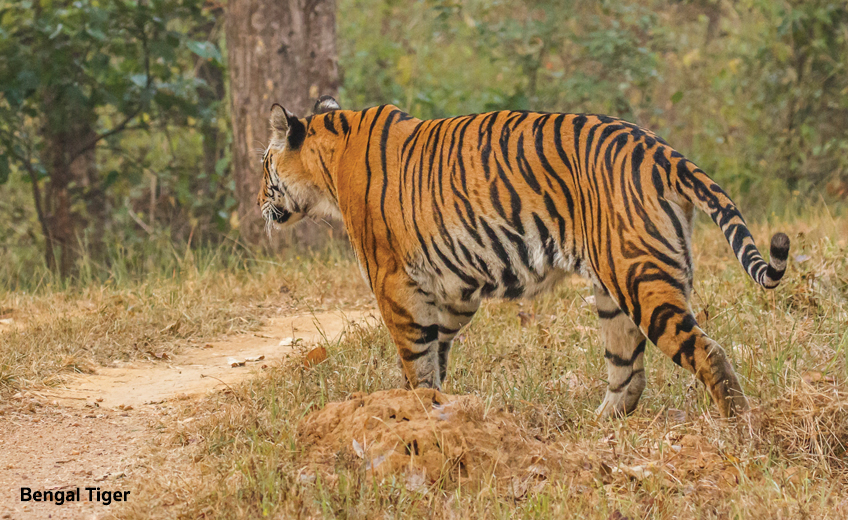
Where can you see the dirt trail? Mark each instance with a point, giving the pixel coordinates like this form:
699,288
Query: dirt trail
203,369
92,432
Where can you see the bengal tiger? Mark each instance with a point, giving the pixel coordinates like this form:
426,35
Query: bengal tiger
444,213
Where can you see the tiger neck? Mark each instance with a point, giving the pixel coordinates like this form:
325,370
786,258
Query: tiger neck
346,142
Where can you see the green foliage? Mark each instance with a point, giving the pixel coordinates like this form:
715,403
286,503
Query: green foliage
803,65
58,57
753,91
118,76
437,58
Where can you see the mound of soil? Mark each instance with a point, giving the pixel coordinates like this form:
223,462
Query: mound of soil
426,436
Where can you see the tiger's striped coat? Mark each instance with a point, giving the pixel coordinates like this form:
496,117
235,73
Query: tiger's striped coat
443,213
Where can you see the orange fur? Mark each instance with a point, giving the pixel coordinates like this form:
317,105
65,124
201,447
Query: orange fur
444,213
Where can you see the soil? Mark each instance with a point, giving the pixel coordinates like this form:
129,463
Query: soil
96,431
428,438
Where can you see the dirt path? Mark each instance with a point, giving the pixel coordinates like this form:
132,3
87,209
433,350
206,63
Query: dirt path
92,432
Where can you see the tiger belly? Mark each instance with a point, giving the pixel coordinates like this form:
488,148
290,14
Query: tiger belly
467,271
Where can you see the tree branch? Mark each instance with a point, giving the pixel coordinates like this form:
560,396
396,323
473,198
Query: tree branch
49,255
120,127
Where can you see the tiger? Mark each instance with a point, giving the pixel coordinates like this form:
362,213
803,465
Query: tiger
444,213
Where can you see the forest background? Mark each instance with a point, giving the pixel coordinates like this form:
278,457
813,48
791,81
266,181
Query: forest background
131,130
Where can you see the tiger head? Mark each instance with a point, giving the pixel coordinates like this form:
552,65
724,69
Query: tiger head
289,189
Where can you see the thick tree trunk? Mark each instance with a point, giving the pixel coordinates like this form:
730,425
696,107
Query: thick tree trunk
60,218
279,51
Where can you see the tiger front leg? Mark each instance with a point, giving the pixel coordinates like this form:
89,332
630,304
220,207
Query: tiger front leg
412,317
452,318
419,361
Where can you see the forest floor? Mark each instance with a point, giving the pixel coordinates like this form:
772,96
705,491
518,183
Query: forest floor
96,429
130,386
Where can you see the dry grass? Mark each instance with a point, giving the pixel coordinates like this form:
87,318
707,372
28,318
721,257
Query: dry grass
244,456
672,459
58,330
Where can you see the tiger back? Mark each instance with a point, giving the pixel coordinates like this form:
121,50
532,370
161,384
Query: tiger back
444,213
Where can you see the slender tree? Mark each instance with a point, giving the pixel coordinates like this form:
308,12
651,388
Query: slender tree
75,76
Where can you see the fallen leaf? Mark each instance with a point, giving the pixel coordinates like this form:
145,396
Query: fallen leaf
526,318
255,358
637,472
415,481
729,477
233,362
814,376
676,416
173,327
315,356
376,461
358,449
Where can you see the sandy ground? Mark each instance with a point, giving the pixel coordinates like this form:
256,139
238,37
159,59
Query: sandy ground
95,431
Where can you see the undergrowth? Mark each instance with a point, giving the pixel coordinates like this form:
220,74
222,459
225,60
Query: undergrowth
672,459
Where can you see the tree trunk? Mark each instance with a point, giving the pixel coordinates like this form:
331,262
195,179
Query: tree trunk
73,178
85,172
279,51
60,218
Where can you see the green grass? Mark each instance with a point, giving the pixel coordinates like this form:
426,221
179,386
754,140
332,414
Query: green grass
550,376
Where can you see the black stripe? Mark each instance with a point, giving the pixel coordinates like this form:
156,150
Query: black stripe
608,315
456,312
626,382
619,361
384,137
411,355
428,334
343,121
328,124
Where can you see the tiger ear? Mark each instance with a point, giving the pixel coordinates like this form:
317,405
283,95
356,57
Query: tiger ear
281,120
287,127
325,104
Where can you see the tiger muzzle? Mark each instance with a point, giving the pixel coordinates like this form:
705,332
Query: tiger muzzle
281,216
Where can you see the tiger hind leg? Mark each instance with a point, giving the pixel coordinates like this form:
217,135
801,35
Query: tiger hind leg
624,351
669,324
